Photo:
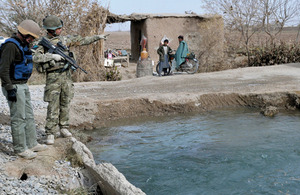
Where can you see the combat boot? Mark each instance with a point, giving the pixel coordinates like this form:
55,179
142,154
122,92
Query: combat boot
65,132
50,140
27,154
39,148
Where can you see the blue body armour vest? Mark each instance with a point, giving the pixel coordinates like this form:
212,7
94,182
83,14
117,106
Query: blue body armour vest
23,70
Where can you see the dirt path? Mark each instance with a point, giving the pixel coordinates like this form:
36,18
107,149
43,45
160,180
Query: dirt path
96,102
244,80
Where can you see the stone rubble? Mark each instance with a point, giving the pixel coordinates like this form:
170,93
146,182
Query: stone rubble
38,105
32,184
67,179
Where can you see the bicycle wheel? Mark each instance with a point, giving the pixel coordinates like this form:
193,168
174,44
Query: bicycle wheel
157,68
193,66
165,70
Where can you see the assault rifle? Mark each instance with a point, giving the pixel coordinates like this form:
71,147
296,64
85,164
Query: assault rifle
57,50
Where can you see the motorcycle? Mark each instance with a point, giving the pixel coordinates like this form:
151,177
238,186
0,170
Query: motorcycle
190,65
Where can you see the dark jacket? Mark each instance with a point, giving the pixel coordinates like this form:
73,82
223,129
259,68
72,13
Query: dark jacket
161,52
10,54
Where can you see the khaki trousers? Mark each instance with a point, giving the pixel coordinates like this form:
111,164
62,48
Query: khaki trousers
22,119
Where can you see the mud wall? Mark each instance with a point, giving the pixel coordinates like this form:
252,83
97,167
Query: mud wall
204,37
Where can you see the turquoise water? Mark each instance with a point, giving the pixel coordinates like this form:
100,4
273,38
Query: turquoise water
219,152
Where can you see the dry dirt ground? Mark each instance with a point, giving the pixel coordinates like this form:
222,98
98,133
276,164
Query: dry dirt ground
98,102
118,40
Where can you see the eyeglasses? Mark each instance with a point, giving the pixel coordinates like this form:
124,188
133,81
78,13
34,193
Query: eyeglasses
30,38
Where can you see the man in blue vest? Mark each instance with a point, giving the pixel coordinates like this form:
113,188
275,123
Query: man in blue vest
15,70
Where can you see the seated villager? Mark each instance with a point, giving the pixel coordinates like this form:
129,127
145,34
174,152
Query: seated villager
164,51
181,52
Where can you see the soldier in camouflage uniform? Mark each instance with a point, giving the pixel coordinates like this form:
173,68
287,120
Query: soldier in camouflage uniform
59,89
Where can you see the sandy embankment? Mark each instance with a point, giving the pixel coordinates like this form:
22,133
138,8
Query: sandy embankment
95,103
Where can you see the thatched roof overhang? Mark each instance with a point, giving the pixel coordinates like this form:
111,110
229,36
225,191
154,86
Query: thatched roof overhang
113,18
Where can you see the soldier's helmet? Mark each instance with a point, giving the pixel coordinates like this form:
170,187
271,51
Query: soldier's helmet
52,22
29,27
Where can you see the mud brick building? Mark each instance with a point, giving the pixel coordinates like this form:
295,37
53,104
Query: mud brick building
203,34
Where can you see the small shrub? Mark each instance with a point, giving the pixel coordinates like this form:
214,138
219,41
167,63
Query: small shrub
113,74
281,53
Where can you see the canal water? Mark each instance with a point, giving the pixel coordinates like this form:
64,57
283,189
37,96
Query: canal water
219,152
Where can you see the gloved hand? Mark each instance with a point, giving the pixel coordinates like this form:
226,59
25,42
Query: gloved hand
57,57
12,95
48,57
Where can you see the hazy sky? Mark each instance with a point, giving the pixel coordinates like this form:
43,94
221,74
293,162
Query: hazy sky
149,6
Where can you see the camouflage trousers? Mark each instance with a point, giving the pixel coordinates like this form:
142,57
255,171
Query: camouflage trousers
59,91
22,119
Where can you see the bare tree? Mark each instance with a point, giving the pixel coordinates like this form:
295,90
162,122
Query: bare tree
275,15
251,16
80,17
242,16
70,11
12,12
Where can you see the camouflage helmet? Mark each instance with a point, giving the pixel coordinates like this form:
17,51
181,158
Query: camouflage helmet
29,27
52,22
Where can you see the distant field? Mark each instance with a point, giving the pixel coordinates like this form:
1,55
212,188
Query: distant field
118,40
121,39
288,35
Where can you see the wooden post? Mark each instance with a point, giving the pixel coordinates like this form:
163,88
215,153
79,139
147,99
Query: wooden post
103,25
